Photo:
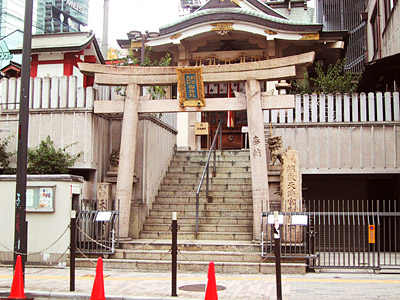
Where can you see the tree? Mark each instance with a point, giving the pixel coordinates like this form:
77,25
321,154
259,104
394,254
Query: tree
157,92
46,159
333,80
5,155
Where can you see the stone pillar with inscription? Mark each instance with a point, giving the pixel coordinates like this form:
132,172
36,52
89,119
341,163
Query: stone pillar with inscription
258,154
104,201
291,197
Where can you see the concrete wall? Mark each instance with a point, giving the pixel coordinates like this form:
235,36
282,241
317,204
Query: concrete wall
344,148
85,132
44,228
156,143
63,111
342,134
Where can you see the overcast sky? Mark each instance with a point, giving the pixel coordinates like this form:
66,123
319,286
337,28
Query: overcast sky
130,15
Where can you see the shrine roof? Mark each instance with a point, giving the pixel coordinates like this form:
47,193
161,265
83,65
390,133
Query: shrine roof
257,4
238,14
67,41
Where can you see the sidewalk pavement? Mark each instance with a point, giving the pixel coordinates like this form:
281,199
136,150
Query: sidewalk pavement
53,283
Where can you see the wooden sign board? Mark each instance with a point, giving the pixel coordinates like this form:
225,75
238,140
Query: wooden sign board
202,128
190,87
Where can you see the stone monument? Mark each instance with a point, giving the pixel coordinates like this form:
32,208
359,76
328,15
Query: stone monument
290,186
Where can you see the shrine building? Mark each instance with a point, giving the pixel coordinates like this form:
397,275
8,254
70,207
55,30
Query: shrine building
232,32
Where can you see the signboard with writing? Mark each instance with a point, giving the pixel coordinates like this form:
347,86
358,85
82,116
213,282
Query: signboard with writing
75,6
190,87
202,128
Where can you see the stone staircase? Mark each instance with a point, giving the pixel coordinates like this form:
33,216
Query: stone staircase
225,224
225,215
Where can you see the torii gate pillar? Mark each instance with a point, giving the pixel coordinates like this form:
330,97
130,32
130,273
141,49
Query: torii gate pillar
258,154
126,167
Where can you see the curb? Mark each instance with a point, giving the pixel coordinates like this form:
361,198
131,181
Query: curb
84,296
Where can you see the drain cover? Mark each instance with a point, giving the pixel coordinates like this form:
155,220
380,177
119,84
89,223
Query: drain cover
198,288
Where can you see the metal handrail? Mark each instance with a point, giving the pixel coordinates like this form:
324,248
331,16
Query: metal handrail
206,171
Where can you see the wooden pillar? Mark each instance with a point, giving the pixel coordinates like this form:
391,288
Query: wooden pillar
127,157
258,155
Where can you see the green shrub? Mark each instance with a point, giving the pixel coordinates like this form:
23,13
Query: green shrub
45,159
333,80
5,155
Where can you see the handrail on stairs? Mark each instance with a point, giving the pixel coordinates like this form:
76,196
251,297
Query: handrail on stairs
206,171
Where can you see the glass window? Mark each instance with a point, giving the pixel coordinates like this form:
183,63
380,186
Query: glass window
375,32
40,199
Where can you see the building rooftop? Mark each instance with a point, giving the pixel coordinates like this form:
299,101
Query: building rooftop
67,41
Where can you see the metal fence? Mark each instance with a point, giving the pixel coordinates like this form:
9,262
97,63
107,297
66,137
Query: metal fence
97,232
344,15
353,234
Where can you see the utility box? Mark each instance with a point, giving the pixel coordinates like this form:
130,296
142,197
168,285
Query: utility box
49,202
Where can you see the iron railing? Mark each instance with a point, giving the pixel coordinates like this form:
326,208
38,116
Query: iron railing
296,240
97,233
206,171
341,234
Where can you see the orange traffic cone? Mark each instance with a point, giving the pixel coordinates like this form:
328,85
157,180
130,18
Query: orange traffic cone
211,289
98,285
17,288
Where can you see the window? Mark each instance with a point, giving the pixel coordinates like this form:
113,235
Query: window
40,198
375,32
389,7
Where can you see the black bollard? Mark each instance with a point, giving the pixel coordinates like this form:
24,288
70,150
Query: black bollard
277,257
174,253
72,252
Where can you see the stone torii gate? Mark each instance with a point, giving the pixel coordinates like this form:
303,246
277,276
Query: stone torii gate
253,101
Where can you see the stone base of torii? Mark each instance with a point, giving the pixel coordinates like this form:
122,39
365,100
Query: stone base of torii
254,101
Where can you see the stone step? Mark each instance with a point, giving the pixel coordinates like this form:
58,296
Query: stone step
217,157
209,214
165,255
181,207
198,174
204,153
241,173
192,200
148,227
197,245
200,169
213,187
203,220
213,180
224,163
195,266
211,193
235,236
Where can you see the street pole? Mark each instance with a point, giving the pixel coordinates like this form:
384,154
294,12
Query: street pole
104,40
20,233
277,257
